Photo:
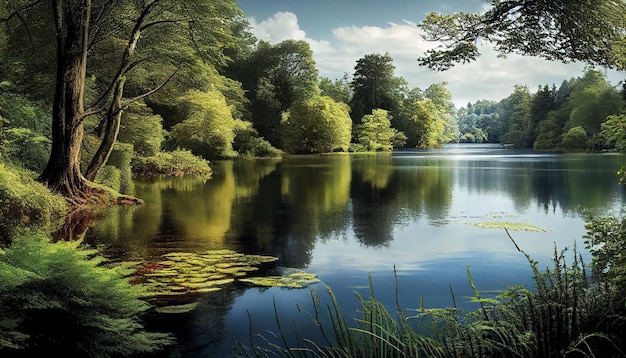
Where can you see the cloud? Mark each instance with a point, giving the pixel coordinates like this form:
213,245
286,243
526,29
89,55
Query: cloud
282,26
490,77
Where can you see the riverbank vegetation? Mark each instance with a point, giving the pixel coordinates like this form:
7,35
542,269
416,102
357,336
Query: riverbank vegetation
93,93
172,78
574,309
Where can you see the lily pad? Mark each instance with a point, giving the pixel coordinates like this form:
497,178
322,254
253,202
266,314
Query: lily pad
177,309
295,280
516,226
184,275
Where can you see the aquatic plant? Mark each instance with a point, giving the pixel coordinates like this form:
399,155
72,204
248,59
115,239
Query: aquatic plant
183,276
508,225
567,313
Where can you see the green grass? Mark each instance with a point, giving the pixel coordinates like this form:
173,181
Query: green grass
568,313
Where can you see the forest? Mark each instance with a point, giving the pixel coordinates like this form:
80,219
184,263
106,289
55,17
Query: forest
96,92
166,88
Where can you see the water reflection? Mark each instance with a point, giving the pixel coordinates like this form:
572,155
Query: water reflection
344,216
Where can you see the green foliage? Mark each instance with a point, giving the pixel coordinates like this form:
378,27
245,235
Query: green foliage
316,125
117,174
375,134
208,129
57,298
516,113
575,140
23,146
177,162
24,131
339,90
613,133
480,121
591,100
248,144
374,86
21,112
606,239
25,202
421,123
564,30
276,77
143,129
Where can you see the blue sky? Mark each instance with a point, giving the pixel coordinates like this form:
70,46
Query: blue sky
342,31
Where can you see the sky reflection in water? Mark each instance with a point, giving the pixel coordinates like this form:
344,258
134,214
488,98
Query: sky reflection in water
344,217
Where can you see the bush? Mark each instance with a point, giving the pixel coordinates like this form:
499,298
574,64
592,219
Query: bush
58,299
575,139
249,145
24,201
23,146
177,162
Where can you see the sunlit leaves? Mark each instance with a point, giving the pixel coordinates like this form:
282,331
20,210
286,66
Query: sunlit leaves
316,125
375,133
208,129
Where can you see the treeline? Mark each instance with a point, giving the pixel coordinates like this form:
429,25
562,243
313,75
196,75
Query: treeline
583,114
194,82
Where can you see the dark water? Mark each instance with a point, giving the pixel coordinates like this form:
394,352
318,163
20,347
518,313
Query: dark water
344,217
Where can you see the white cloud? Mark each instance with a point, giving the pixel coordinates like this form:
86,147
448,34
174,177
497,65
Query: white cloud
490,77
282,26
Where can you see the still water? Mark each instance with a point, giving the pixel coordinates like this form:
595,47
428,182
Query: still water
344,217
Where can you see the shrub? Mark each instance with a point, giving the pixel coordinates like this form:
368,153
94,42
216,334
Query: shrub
24,201
249,145
22,145
58,299
177,162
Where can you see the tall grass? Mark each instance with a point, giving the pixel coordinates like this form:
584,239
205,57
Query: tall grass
567,314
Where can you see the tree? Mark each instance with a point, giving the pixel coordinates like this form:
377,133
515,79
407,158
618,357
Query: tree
613,132
564,30
375,134
516,113
442,99
83,27
276,77
209,127
316,125
575,139
339,90
374,86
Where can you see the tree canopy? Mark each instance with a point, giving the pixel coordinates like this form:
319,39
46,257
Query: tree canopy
590,31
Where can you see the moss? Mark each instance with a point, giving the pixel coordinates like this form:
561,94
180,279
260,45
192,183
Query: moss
26,202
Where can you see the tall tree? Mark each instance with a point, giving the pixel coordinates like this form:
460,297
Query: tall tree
80,27
591,31
276,77
374,86
516,113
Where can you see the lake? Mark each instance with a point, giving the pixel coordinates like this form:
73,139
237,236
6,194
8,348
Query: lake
346,217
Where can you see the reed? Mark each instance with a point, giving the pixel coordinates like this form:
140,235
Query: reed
567,314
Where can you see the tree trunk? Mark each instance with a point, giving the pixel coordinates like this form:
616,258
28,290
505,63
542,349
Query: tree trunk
62,173
109,137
